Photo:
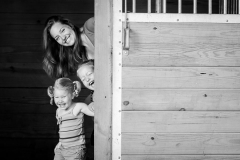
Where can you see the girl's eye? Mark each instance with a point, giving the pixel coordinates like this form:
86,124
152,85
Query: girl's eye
63,30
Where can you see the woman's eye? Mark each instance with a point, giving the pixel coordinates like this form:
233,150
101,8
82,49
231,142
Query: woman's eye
63,29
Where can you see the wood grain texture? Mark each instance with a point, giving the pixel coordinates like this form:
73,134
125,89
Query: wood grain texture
183,44
181,77
197,144
30,100
174,100
180,157
39,19
27,148
181,121
26,75
103,80
45,6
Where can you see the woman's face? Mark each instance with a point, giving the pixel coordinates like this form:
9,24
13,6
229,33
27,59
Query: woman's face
63,34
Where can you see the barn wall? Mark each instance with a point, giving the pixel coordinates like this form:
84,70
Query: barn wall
181,89
28,128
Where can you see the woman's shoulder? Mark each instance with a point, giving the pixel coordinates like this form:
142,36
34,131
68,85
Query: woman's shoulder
89,25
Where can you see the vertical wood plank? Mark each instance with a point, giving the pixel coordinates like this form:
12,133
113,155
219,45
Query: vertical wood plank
102,119
195,6
164,6
149,6
117,80
179,6
134,6
224,6
209,6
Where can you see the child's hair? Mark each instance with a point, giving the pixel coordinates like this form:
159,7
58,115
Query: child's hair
89,62
65,84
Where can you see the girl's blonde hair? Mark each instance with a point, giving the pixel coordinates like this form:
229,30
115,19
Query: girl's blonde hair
65,84
89,62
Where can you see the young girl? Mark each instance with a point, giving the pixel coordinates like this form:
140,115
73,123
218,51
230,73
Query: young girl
70,118
86,74
66,46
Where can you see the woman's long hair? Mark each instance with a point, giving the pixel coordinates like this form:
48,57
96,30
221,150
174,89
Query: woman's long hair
59,60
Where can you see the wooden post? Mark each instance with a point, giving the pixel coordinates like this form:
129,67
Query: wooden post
179,6
195,6
224,6
158,5
209,6
164,6
134,6
149,6
117,78
103,82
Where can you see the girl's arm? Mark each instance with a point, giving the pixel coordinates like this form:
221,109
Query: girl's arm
82,107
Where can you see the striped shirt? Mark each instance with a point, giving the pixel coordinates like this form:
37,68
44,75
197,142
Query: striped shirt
71,129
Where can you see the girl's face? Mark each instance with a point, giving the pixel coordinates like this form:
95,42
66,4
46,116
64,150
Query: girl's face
86,74
63,34
62,98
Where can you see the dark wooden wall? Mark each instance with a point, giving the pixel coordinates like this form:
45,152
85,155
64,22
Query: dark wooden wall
28,128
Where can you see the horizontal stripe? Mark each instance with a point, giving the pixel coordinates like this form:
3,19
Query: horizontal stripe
73,137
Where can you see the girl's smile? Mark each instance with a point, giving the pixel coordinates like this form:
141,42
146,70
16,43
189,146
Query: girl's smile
62,98
86,74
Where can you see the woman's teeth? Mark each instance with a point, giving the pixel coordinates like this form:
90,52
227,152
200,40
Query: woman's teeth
67,39
91,83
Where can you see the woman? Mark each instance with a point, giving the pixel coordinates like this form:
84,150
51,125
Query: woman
66,45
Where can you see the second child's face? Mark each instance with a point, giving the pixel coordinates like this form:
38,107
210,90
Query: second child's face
86,74
63,34
62,98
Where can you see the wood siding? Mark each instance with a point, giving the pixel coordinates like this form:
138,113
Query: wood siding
28,128
181,91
